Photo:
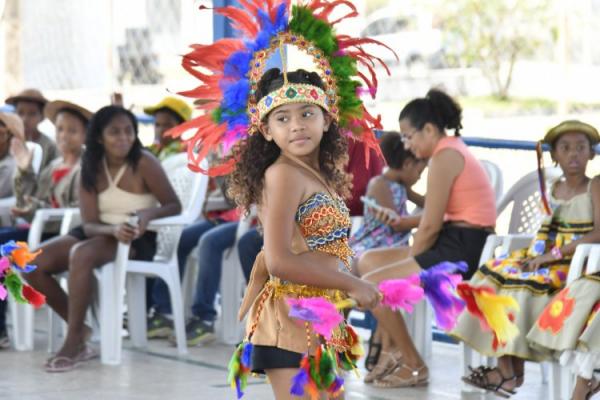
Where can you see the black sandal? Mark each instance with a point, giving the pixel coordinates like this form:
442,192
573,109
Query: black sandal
479,379
373,353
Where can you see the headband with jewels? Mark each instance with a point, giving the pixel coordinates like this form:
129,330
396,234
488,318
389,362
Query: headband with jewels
290,93
229,71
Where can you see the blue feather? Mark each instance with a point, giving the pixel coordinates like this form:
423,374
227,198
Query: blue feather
235,94
247,355
237,65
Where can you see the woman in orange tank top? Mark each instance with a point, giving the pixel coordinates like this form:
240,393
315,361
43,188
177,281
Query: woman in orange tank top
459,214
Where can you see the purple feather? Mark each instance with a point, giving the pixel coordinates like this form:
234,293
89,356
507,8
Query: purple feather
298,382
336,386
235,95
237,65
439,284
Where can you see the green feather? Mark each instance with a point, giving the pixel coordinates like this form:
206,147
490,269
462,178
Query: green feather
14,285
234,364
216,115
327,369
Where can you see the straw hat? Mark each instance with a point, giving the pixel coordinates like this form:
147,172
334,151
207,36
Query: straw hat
572,126
13,124
52,109
33,95
176,105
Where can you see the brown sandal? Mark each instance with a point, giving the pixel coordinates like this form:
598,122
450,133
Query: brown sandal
387,363
479,379
419,377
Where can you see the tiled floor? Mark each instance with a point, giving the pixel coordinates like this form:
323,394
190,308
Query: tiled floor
157,373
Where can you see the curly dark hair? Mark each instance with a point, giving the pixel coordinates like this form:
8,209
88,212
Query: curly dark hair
94,150
255,154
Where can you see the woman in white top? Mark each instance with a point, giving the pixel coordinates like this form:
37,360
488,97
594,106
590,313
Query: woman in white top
118,179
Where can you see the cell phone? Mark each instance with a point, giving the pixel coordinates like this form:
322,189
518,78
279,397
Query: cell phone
133,220
369,202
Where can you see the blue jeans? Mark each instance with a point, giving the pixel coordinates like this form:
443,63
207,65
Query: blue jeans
249,246
189,239
212,240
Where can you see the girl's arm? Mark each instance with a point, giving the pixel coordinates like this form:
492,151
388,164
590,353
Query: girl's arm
158,184
415,197
283,192
443,170
403,224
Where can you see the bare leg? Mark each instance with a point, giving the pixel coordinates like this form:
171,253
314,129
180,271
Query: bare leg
281,379
84,258
585,389
518,367
378,258
53,260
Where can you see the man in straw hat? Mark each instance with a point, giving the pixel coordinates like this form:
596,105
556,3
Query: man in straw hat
29,105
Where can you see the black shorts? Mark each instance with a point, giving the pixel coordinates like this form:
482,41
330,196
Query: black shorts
144,247
456,243
271,357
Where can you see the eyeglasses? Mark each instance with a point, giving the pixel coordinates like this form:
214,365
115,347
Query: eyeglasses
406,137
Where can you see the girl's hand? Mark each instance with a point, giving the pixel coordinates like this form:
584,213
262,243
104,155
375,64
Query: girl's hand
21,153
143,221
365,293
20,211
386,215
536,263
125,233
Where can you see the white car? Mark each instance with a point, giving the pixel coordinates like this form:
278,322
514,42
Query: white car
412,37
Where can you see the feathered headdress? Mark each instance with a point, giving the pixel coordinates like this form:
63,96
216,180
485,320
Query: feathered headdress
229,71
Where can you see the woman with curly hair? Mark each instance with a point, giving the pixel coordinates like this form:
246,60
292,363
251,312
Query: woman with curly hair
296,183
118,179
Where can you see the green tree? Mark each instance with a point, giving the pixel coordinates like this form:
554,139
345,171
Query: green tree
494,34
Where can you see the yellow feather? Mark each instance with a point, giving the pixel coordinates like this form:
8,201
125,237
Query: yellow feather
495,310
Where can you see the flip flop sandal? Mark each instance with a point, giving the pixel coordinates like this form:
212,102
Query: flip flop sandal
87,354
385,366
61,364
373,354
418,377
592,390
479,379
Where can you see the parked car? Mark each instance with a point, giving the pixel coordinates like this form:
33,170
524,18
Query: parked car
412,37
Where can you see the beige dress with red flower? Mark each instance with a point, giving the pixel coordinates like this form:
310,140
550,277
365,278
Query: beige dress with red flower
570,220
570,324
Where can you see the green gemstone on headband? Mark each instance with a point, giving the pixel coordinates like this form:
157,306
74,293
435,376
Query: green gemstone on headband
291,93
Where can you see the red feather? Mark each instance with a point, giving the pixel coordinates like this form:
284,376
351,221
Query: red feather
35,298
328,7
242,21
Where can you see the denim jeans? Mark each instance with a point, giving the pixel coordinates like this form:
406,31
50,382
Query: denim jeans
249,246
211,247
189,239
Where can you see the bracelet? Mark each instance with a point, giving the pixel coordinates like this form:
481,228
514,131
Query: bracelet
556,253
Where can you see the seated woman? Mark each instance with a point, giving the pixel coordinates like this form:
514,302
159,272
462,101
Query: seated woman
118,179
458,216
571,324
390,226
532,276
57,185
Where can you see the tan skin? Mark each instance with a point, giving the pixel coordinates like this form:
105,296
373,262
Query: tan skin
379,190
163,121
82,257
297,129
70,137
571,152
378,265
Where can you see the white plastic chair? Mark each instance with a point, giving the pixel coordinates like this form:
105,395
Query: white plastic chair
495,175
191,189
